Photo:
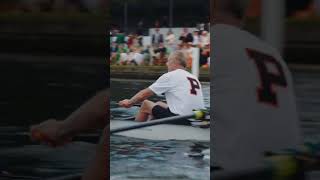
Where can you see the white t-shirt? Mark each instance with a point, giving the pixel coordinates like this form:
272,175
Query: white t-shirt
196,40
248,121
170,39
204,40
138,58
182,90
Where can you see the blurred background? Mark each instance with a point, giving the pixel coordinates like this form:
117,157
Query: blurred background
52,59
295,30
292,27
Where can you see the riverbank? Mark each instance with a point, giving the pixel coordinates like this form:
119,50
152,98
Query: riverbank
154,72
147,72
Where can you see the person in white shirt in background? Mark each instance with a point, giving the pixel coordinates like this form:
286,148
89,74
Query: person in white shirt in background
182,90
254,105
170,38
196,38
136,58
170,41
204,38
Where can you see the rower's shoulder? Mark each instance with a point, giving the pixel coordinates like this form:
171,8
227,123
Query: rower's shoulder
177,75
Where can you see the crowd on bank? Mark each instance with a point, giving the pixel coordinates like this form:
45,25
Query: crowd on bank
131,49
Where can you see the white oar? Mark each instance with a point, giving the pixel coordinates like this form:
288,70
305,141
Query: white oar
195,114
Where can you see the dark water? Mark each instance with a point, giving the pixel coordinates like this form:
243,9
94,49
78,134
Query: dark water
307,87
145,159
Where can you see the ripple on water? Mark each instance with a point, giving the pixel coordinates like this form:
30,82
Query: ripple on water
144,159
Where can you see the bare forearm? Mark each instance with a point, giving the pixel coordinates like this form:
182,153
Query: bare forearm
140,96
91,115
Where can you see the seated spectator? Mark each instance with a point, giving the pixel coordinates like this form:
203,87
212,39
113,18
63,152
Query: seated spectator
135,56
204,56
185,36
160,55
122,54
113,51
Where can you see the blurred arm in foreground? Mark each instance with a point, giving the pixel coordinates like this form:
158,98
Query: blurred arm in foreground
91,115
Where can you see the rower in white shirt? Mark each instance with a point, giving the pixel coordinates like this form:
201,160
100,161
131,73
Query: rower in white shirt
182,90
252,93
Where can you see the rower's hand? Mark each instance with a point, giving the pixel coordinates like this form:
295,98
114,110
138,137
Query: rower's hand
49,132
125,103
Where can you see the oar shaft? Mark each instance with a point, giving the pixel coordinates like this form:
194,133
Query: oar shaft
151,123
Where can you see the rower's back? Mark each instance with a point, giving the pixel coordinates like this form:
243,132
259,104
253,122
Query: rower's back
183,91
254,106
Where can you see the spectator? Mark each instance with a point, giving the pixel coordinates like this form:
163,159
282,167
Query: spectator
196,38
204,56
204,39
157,38
136,57
170,41
113,51
170,38
120,37
130,40
122,55
185,36
160,55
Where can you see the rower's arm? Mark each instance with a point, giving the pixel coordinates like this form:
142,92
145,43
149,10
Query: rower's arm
91,115
141,96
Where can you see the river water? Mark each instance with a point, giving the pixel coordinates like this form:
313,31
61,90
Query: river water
31,93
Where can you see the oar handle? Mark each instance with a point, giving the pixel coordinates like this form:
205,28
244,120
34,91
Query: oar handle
39,136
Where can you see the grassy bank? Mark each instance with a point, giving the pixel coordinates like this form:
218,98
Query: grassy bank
146,72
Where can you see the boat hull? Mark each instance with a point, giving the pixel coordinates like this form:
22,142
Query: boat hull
163,131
